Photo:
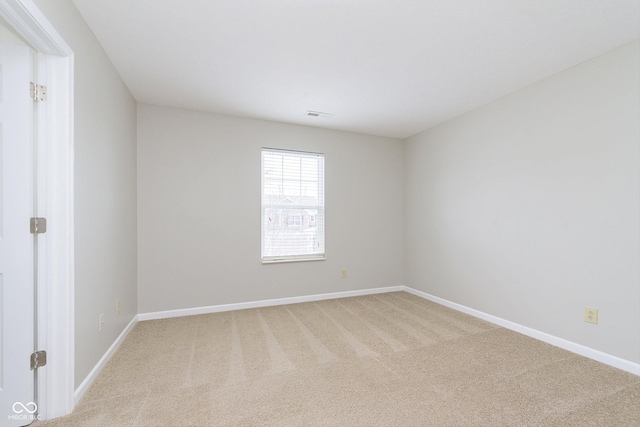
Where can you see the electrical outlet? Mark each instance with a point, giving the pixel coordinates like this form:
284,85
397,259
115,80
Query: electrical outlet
118,306
101,322
591,315
343,273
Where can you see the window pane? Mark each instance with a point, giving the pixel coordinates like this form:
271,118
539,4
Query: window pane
310,190
292,205
291,188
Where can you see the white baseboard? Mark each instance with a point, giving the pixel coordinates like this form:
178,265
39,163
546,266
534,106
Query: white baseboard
89,379
264,303
616,362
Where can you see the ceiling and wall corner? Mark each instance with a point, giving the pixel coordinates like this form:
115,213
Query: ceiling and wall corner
386,68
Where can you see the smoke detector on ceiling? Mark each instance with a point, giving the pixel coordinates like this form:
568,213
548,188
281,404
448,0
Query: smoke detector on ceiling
318,114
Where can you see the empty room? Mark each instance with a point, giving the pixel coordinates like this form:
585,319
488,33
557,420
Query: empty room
319,213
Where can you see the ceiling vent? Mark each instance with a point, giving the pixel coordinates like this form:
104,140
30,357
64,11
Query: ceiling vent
318,114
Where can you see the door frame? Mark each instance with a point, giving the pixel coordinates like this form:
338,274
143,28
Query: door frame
54,132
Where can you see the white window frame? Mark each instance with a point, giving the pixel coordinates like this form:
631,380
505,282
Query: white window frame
319,218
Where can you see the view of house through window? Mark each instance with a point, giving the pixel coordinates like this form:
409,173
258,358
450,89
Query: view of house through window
292,205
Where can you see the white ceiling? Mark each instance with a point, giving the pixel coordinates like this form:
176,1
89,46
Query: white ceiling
382,67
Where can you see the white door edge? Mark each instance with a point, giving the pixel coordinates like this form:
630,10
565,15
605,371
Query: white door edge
55,199
17,244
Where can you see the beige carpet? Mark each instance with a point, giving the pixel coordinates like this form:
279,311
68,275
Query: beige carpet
380,360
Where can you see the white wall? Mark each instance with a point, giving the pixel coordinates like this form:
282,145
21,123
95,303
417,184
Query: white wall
105,190
199,210
528,208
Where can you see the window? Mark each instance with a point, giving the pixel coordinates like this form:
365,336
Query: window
292,206
295,220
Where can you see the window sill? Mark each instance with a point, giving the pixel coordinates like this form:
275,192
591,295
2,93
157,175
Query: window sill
283,260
